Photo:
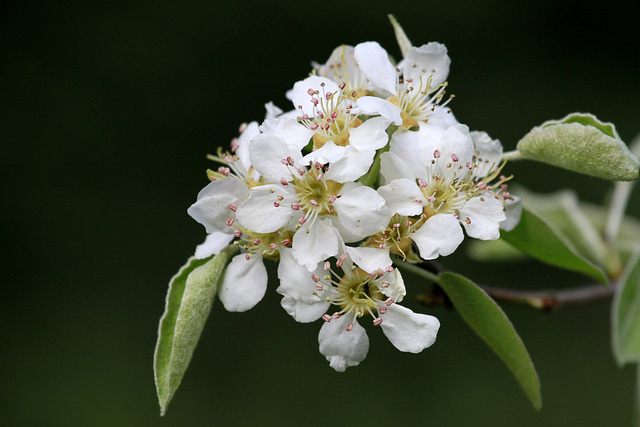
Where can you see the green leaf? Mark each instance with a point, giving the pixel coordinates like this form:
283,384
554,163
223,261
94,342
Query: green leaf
493,251
191,293
488,320
626,314
536,238
581,143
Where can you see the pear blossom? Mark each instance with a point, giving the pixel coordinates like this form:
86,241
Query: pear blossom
341,67
414,88
323,199
438,183
355,292
245,280
326,115
217,202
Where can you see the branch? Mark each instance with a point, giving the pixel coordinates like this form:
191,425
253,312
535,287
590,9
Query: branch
539,299
543,299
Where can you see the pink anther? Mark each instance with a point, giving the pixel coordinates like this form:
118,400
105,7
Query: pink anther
233,207
377,321
389,301
326,318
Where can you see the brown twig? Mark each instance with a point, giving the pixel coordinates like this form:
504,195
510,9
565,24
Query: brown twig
540,299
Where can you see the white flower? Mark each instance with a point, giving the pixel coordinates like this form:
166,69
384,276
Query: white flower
245,279
217,202
341,67
415,87
439,180
356,293
326,114
321,198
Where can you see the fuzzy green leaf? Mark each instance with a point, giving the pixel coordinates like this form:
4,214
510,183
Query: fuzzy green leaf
534,237
626,314
488,320
581,143
188,303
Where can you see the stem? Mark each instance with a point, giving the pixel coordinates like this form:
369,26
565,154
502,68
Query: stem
545,299
512,155
415,269
539,299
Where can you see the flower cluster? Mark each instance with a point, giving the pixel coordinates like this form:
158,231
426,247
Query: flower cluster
370,165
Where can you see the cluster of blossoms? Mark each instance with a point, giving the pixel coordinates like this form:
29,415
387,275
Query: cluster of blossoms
370,165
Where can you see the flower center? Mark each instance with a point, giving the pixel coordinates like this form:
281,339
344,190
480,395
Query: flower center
332,116
267,244
396,237
417,99
356,292
315,194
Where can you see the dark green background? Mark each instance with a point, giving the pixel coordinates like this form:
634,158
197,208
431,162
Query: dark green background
107,112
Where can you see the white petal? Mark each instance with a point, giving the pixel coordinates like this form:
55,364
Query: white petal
370,259
396,288
408,331
489,153
362,210
343,348
320,243
303,312
251,131
328,153
513,212
374,63
481,217
371,105
301,98
371,135
267,152
407,146
295,279
431,57
259,214
439,236
403,197
272,110
213,244
289,130
353,164
244,283
455,140
393,167
442,117
212,208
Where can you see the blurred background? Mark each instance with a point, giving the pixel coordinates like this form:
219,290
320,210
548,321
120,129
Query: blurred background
107,112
